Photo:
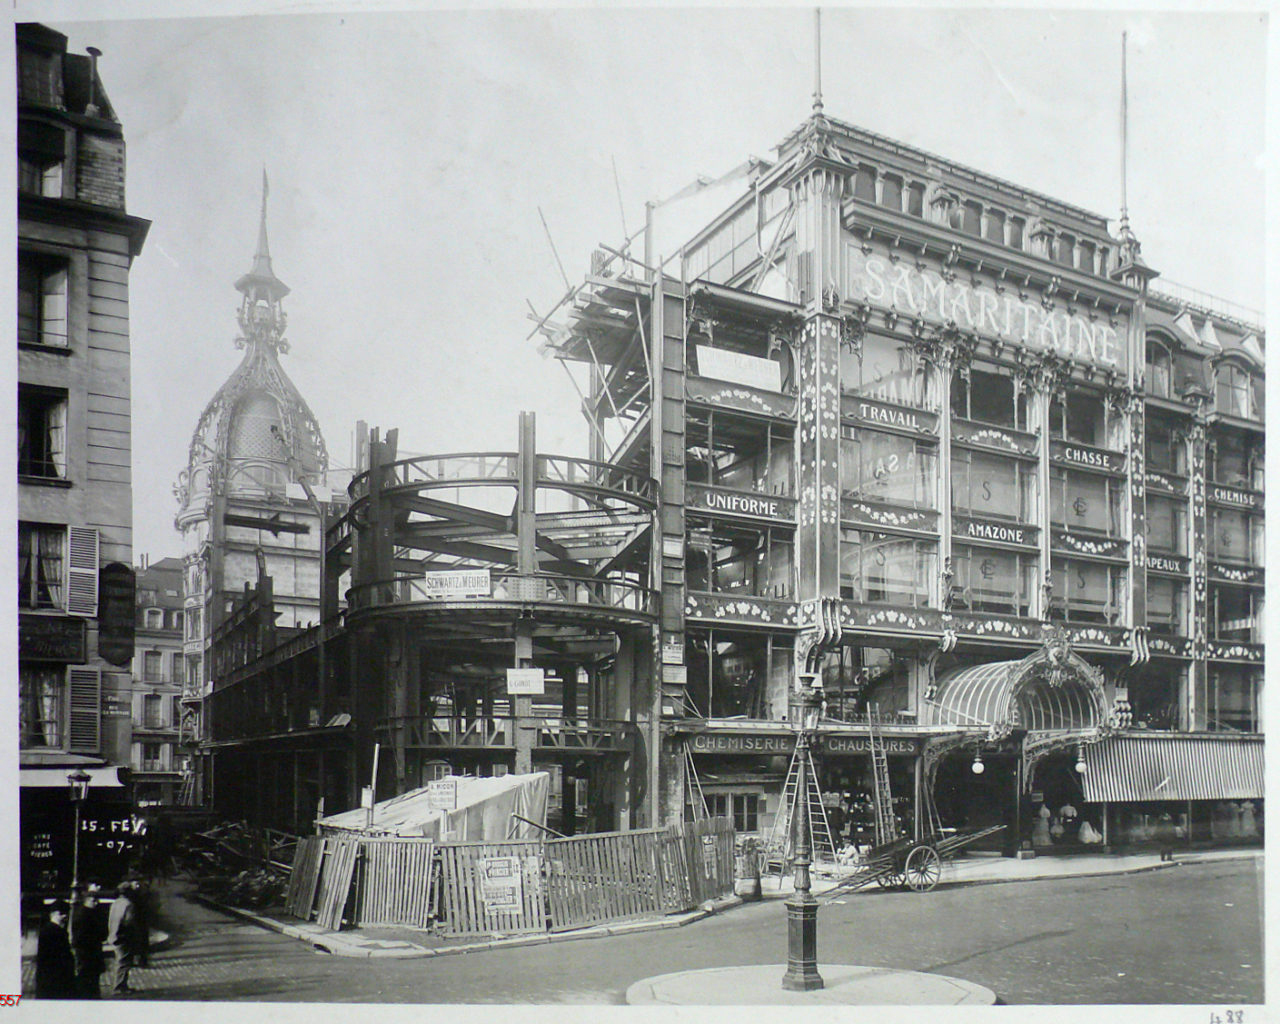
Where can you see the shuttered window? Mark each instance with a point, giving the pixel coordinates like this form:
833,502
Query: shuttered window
82,571
84,710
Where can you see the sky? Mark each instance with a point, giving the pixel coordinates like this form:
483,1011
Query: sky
413,155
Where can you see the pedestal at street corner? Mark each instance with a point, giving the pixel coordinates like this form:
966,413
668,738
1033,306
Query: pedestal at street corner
846,985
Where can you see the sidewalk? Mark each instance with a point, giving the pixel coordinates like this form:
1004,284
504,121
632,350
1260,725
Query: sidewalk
973,869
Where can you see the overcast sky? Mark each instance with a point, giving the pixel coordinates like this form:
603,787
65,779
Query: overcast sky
409,153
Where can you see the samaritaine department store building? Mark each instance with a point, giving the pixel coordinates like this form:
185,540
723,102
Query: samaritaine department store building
938,439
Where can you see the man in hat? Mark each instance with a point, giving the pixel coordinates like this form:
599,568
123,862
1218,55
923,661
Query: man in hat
55,966
122,934
87,938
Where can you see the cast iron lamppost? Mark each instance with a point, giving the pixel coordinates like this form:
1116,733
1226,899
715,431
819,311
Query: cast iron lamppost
802,909
79,780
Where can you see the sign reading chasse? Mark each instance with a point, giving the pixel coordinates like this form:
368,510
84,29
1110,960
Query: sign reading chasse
926,293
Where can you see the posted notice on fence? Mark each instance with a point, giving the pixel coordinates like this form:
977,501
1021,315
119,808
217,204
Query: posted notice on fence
442,794
456,584
500,888
526,681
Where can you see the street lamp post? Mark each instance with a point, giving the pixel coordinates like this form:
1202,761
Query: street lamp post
79,780
802,909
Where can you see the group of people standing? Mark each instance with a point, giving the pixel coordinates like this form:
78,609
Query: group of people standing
70,951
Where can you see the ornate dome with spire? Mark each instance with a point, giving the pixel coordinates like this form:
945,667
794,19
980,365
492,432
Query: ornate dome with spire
257,433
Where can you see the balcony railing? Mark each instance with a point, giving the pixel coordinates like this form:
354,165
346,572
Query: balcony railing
489,731
545,588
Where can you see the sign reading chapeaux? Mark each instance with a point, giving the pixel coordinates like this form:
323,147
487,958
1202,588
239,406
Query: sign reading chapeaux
980,308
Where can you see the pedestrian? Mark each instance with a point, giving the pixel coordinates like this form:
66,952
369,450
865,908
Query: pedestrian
55,966
88,935
144,900
122,934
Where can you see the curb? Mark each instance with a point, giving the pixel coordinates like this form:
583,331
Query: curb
333,943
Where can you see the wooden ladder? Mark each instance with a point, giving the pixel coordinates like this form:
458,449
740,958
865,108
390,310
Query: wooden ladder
693,795
781,844
886,825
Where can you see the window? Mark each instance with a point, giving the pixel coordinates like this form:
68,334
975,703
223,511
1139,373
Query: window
1087,592
1085,501
40,716
175,620
1159,370
881,568
915,200
1236,460
1065,253
1166,606
41,154
1085,257
744,808
151,708
995,226
992,580
724,558
42,432
1239,392
151,670
732,451
864,183
175,704
1166,524
891,192
887,371
995,486
1233,700
153,618
988,398
731,673
878,466
41,566
971,224
1235,614
1235,536
42,300
1082,418
1016,225
1166,452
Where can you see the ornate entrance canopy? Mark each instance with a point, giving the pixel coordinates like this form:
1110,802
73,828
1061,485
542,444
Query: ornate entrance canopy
1052,690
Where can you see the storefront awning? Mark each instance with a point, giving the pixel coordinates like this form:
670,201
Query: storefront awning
49,778
1173,768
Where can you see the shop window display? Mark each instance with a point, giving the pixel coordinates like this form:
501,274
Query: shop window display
992,486
992,580
886,370
879,466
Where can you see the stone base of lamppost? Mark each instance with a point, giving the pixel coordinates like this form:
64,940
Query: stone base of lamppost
802,944
846,985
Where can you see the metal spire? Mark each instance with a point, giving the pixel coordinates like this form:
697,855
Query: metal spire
817,62
261,277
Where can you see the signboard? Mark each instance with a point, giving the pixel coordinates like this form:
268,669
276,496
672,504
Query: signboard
366,797
913,291
456,584
1001,533
673,547
442,794
741,743
1231,496
737,368
862,745
501,891
672,653
1168,563
1091,458
117,609
708,856
675,674
526,681
875,413
52,638
741,503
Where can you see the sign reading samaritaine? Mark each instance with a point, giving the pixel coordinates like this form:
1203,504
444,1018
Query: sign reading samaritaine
912,291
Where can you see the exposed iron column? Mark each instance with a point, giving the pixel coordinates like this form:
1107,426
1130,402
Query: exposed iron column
526,564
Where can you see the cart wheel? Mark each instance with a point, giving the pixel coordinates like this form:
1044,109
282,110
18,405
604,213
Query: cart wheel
890,880
924,868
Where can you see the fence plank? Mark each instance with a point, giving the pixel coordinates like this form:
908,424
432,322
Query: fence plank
304,877
335,882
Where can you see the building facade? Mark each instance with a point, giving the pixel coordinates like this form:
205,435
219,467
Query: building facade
159,664
929,439
76,243
253,492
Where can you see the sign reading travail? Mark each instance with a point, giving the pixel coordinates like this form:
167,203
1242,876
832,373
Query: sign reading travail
926,293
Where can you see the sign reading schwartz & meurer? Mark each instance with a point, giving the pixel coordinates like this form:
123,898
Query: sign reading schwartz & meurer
919,289
456,584
739,503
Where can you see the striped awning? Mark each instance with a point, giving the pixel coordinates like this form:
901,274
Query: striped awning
1003,693
1173,768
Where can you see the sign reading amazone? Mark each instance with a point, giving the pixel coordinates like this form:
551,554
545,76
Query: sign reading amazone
1001,533
926,293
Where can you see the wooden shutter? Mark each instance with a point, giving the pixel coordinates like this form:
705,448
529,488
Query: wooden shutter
82,570
84,710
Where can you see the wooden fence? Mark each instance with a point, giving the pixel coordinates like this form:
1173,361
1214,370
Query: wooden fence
478,888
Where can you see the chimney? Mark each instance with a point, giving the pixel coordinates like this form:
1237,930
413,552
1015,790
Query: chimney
91,108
